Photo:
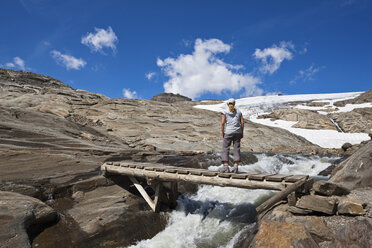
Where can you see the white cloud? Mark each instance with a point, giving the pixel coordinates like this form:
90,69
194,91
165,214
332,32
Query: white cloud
307,74
100,39
17,63
10,65
127,93
272,57
20,62
70,62
202,72
150,75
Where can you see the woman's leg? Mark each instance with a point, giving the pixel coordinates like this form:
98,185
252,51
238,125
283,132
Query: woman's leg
225,151
226,147
236,143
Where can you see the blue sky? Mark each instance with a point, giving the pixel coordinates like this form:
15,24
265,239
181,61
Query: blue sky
202,49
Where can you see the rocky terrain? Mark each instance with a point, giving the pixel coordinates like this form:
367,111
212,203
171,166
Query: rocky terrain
338,213
358,120
54,138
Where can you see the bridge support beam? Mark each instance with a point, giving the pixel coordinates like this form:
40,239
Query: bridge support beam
282,195
154,204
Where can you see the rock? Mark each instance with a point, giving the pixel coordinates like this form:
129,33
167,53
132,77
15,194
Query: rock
315,225
246,236
362,98
107,203
350,207
283,235
317,104
305,118
91,184
21,216
329,189
327,171
300,211
346,146
320,204
357,234
355,121
355,171
21,189
170,98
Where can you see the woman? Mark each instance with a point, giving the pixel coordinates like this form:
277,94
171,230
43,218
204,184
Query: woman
232,126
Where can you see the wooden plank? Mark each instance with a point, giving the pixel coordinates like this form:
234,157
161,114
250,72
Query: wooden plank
210,173
279,196
143,192
225,175
296,178
157,198
239,176
124,165
277,177
259,177
174,195
196,172
159,169
182,171
109,163
170,170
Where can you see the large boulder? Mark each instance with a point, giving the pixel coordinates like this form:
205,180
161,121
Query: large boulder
283,235
328,188
170,98
350,206
21,216
355,171
317,203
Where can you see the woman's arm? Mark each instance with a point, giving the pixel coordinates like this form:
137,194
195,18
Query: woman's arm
223,120
242,124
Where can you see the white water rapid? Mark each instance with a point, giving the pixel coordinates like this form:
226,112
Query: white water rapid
216,216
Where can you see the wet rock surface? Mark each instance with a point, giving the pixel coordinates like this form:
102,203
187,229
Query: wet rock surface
22,218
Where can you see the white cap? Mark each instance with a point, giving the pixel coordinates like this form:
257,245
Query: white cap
231,101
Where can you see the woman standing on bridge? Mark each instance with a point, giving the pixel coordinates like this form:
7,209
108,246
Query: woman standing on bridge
232,126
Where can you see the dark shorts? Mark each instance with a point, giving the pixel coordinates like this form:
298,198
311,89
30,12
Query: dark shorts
227,140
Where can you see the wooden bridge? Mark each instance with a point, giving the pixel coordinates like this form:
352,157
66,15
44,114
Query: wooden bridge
156,174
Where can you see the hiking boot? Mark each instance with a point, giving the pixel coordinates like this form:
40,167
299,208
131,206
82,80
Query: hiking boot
224,169
235,170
